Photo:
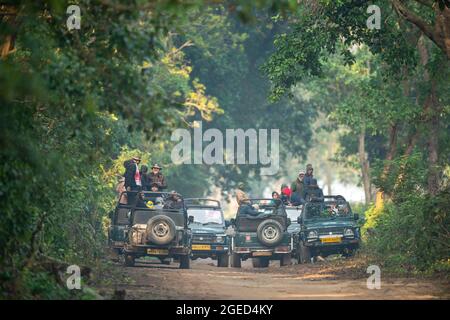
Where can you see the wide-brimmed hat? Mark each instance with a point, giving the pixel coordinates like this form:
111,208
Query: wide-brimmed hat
156,166
301,172
137,158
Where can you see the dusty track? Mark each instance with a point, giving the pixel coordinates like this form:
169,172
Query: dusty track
324,280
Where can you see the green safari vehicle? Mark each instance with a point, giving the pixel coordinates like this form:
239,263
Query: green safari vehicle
327,227
158,229
209,239
260,233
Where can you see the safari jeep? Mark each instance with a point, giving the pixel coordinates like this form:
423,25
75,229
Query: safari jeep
117,232
261,234
208,230
327,227
157,230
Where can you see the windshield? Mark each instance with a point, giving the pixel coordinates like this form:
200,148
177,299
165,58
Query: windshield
205,216
328,210
293,213
141,217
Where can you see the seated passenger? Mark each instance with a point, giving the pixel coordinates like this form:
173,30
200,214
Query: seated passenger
247,209
154,187
296,199
285,193
313,192
173,202
141,202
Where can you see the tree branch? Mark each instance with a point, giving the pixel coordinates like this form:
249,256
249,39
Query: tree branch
418,22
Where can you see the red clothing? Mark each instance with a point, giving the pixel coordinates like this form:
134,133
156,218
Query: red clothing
286,191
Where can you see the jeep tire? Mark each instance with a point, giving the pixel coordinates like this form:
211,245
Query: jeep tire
285,260
160,230
235,260
270,232
260,262
129,260
185,262
222,260
304,253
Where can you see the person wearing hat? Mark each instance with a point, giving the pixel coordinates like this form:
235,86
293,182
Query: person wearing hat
155,176
241,195
132,175
173,201
308,175
298,189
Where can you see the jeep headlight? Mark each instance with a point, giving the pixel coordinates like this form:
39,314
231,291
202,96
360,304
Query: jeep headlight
313,234
349,233
220,238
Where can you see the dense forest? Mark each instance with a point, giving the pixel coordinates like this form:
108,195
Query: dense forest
75,104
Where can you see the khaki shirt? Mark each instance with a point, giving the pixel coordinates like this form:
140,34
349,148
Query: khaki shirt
241,196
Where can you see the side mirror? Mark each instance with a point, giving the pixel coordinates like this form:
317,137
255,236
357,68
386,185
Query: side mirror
190,219
356,216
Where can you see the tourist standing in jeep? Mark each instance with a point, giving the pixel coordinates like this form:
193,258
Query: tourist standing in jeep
132,175
155,176
298,189
241,195
309,174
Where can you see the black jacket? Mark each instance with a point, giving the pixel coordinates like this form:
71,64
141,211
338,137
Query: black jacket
130,171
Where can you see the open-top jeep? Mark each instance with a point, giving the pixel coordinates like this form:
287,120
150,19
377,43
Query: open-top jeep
261,233
158,228
208,230
327,227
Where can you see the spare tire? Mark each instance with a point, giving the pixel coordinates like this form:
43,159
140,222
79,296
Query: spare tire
160,230
270,232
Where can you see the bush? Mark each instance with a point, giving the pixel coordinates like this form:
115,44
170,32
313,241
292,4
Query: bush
414,234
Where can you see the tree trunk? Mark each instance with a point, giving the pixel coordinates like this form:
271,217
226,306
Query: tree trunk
364,163
433,143
431,116
8,14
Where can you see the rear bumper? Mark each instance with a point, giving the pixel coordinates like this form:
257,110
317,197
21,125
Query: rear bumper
216,249
143,250
255,252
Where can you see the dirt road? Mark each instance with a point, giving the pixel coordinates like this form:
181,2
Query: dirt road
339,279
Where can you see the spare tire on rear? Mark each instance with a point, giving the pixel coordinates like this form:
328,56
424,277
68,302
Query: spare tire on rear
160,230
270,232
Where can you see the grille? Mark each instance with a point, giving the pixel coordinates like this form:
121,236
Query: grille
334,230
203,238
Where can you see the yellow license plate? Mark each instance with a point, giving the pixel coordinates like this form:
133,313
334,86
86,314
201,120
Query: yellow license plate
158,251
262,254
331,239
201,247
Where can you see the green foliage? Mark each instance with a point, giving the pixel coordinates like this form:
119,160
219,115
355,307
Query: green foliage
412,234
